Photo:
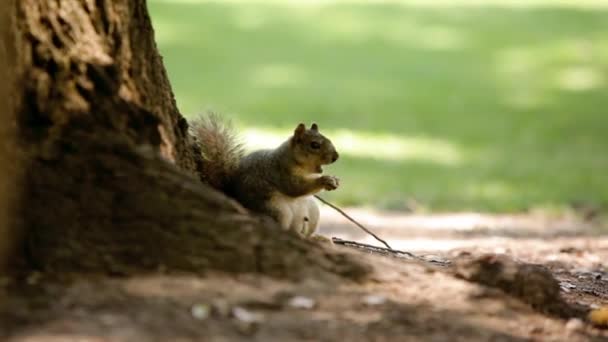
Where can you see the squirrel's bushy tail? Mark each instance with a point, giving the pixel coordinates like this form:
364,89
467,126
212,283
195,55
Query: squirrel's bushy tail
220,149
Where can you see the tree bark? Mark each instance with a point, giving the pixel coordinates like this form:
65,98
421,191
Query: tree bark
110,174
8,158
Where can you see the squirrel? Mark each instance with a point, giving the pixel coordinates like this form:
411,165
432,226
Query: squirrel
278,182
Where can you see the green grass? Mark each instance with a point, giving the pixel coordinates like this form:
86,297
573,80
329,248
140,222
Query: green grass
492,105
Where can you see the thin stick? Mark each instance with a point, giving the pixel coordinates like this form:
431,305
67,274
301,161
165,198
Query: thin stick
387,251
339,241
354,221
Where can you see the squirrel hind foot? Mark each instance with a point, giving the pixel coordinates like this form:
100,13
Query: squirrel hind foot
322,239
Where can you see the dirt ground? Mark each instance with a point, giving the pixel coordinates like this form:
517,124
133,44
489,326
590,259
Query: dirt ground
406,299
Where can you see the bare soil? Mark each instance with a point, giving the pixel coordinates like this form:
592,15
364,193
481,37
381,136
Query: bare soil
406,299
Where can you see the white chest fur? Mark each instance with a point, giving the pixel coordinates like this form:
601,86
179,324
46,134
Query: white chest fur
300,214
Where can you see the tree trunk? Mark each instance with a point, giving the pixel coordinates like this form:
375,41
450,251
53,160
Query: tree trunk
8,157
110,174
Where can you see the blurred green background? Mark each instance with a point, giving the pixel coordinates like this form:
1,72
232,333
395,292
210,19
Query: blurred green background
492,105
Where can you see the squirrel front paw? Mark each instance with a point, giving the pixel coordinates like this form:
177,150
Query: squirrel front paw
330,182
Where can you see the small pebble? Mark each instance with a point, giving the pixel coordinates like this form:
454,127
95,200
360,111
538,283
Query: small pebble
301,302
575,324
246,316
247,322
373,300
200,311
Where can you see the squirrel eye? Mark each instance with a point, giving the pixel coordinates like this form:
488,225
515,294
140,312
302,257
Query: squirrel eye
315,145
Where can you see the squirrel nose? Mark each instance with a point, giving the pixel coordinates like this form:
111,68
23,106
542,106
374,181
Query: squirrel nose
335,157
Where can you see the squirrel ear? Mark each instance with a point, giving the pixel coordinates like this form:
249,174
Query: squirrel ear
314,127
299,130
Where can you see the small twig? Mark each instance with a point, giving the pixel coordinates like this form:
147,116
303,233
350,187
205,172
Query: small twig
339,241
390,252
354,221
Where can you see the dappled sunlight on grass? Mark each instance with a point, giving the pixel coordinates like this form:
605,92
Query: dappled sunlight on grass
346,25
250,20
278,75
440,38
368,145
470,105
411,33
517,67
579,78
491,191
165,32
421,3
531,74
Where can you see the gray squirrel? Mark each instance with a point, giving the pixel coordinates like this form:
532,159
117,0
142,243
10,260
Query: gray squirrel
280,182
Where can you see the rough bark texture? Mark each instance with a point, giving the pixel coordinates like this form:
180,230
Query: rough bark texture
8,156
110,182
